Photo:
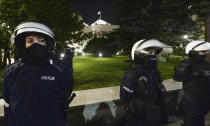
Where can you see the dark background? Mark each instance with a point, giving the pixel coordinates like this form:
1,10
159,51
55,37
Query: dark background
89,9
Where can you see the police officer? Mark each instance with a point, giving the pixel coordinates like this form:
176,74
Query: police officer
35,88
194,73
141,88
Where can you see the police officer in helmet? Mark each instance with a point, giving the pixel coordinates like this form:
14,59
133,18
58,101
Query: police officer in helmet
194,73
141,88
36,87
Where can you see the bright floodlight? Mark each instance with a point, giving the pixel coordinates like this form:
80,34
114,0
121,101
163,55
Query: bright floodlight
100,54
117,53
185,36
62,55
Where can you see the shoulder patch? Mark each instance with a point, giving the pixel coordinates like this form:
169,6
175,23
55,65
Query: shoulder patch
127,89
143,78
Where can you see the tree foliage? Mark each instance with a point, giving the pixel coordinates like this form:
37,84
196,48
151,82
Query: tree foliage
57,14
5,45
102,45
201,8
164,20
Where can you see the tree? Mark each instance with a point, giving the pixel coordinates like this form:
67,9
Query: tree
201,8
164,20
5,45
102,45
57,14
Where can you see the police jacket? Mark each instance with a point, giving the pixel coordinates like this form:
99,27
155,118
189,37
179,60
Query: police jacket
36,94
138,88
195,77
139,81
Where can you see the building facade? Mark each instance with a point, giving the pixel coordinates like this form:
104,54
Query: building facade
98,28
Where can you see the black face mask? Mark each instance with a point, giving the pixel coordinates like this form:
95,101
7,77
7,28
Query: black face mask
151,62
37,54
199,59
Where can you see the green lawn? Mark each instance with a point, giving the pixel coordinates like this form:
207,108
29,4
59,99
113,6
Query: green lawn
93,72
167,68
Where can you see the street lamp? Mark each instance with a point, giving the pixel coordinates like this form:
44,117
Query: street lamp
186,37
100,54
62,55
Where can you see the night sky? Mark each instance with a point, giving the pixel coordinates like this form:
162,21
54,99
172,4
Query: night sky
89,8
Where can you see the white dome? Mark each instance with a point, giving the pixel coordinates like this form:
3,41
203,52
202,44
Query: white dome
100,22
85,24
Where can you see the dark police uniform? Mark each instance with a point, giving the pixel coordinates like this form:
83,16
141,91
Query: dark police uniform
142,90
36,94
196,86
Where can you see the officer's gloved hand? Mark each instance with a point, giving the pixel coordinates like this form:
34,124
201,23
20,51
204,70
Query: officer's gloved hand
69,54
55,54
181,71
182,68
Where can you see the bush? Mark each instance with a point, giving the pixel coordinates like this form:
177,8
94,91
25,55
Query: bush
179,51
101,45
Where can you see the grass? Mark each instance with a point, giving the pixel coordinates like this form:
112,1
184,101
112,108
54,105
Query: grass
167,68
93,72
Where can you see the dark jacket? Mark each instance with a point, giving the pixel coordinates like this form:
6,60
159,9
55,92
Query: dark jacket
139,81
195,77
138,88
36,94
